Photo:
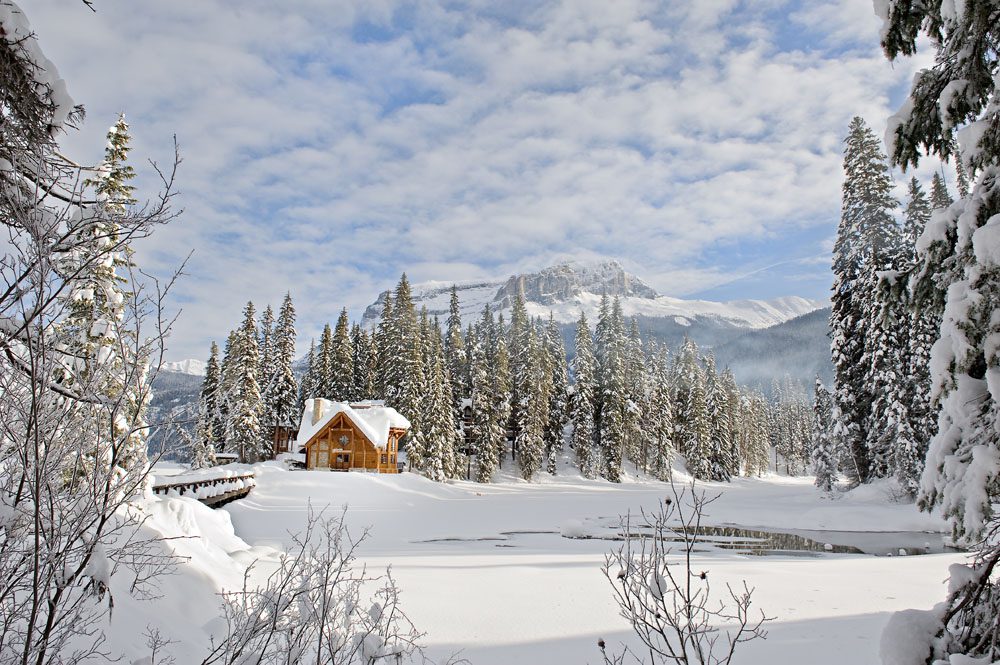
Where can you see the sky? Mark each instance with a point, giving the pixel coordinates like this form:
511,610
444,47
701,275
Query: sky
330,146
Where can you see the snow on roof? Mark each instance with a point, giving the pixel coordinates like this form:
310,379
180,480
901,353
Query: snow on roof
373,418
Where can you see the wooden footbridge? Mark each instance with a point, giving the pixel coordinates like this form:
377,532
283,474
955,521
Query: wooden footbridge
213,491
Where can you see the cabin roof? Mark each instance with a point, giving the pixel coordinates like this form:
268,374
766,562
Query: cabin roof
373,419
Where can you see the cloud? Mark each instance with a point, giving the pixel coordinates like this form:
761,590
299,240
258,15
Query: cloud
330,146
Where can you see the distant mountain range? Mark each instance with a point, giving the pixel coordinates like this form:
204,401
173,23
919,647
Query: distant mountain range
566,289
760,340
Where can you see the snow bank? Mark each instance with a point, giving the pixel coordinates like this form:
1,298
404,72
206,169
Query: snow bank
907,638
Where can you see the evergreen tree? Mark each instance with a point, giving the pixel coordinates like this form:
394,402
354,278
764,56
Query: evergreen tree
859,253
719,433
439,433
756,441
503,382
824,456
309,383
661,416
202,448
227,390
534,400
342,361
613,429
214,427
558,405
940,198
101,353
691,423
456,357
487,433
404,377
282,390
365,364
522,377
584,389
245,404
324,385
961,476
730,422
637,439
267,367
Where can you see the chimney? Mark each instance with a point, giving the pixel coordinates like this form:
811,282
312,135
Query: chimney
317,410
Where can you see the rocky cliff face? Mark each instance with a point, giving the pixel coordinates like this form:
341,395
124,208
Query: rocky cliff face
566,281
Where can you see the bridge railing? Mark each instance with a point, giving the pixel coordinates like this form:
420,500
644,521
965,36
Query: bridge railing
212,490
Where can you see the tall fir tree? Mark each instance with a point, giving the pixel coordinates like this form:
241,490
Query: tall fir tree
365,364
613,427
961,251
691,423
342,361
637,392
100,351
584,394
859,250
215,426
719,432
323,385
487,432
558,405
456,358
245,403
308,387
661,416
281,395
824,455
519,343
533,396
940,197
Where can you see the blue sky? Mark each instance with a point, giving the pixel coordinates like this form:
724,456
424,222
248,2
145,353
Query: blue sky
329,146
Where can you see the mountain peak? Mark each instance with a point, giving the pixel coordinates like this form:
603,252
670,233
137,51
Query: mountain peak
565,281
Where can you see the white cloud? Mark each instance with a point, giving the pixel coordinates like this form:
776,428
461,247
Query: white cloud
330,146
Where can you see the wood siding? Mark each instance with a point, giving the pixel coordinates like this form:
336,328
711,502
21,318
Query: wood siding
340,446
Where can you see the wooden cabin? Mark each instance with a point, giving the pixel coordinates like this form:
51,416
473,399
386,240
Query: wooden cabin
361,436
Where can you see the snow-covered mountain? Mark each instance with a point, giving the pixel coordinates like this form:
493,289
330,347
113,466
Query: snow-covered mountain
569,288
190,366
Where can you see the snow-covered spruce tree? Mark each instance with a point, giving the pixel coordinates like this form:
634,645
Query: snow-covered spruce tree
282,389
97,296
307,387
365,364
582,404
503,382
613,387
382,339
602,342
756,452
940,197
245,405
691,423
866,208
824,456
519,344
719,433
405,376
558,405
456,357
661,416
324,365
202,445
224,395
637,390
342,361
62,540
487,432
265,346
958,98
731,415
534,393
439,430
209,397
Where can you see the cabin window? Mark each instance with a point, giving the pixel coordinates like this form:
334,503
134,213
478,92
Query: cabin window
385,459
341,459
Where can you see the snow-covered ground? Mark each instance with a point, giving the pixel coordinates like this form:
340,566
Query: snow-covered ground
478,587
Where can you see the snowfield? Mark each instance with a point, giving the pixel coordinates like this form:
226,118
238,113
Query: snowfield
486,572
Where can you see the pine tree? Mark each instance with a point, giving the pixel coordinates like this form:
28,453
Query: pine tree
439,433
282,391
101,353
730,419
503,382
456,357
859,252
584,389
214,427
613,432
661,416
323,385
757,442
342,361
383,339
308,385
202,448
487,432
365,364
960,477
534,399
719,433
940,198
522,378
824,456
558,405
691,423
227,390
245,404
266,369
637,392
404,377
